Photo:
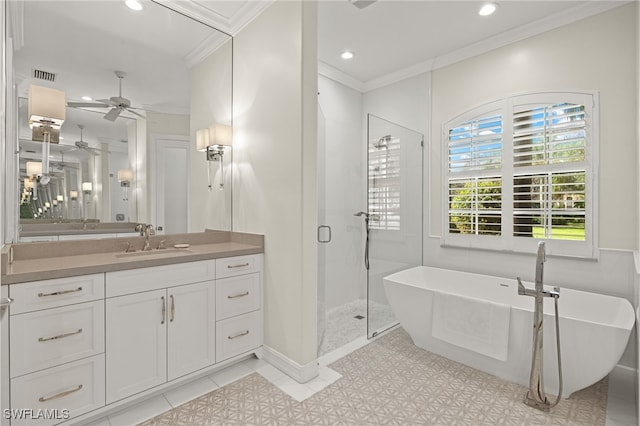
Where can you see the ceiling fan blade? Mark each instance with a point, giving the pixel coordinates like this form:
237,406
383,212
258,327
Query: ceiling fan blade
112,114
136,113
107,102
87,105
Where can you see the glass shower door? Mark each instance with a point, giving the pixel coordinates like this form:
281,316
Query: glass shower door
394,204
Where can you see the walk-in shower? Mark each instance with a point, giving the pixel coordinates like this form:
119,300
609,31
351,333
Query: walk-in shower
369,225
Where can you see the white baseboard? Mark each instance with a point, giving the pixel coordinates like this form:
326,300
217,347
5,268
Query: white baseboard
299,373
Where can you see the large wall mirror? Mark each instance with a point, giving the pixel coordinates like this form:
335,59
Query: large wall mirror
138,86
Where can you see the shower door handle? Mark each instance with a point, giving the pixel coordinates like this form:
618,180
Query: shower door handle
320,239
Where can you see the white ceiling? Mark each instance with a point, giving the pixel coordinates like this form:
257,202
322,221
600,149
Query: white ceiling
83,42
389,36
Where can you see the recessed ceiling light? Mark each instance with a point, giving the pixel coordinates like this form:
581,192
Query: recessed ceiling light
133,4
487,9
347,54
87,98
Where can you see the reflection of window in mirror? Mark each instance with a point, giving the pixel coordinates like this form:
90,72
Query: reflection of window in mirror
118,101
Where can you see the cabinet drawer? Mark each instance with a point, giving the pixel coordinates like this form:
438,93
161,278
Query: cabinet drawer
77,387
238,265
50,337
145,279
237,295
45,294
238,334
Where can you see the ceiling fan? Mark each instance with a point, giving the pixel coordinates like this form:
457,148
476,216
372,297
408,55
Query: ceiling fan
84,146
118,104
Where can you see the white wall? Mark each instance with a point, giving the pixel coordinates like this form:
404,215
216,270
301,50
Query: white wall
343,181
597,53
210,103
274,101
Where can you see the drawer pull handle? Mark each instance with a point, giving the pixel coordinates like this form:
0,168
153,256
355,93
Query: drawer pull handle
234,296
173,308
240,265
164,310
59,336
60,395
243,333
60,293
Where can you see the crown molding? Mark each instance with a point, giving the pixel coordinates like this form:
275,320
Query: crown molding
205,48
566,17
340,76
230,25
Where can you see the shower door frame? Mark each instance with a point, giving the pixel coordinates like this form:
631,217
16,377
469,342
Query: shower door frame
374,331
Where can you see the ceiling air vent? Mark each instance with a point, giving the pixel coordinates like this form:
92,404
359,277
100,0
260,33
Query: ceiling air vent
44,75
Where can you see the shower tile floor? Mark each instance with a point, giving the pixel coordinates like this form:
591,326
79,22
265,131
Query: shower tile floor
388,381
342,326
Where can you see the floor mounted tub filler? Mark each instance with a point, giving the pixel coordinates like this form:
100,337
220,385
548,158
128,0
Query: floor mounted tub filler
480,321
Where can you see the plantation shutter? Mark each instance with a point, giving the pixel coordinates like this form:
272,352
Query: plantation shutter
474,176
384,184
550,167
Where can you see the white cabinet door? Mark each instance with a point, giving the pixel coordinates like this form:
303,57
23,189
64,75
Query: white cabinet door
136,356
191,328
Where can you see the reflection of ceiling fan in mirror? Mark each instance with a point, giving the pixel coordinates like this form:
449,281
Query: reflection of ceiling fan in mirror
118,104
84,146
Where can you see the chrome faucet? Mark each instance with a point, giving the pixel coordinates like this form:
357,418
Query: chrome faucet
139,228
536,397
148,231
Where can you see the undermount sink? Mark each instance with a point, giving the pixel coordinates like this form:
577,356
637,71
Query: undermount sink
155,252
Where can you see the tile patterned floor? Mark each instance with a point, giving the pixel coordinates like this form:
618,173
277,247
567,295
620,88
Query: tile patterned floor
389,381
342,327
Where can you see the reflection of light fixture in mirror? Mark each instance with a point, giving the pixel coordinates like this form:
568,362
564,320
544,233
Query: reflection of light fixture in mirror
125,176
133,4
60,198
87,187
214,141
55,203
46,115
34,171
73,195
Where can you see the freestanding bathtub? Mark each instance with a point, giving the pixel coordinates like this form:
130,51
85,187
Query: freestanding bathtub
594,328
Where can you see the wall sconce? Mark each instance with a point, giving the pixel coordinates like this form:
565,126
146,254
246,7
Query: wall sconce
60,199
34,170
87,187
46,111
73,195
214,141
125,176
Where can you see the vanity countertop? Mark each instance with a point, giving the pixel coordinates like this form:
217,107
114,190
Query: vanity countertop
39,261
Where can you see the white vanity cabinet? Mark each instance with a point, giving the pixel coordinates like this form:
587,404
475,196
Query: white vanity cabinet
238,305
100,341
57,347
160,333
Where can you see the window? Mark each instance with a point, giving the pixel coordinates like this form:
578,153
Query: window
522,169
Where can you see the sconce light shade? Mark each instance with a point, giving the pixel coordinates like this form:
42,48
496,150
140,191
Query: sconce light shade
216,135
60,198
87,187
34,168
202,139
125,175
47,204
46,107
28,183
73,195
